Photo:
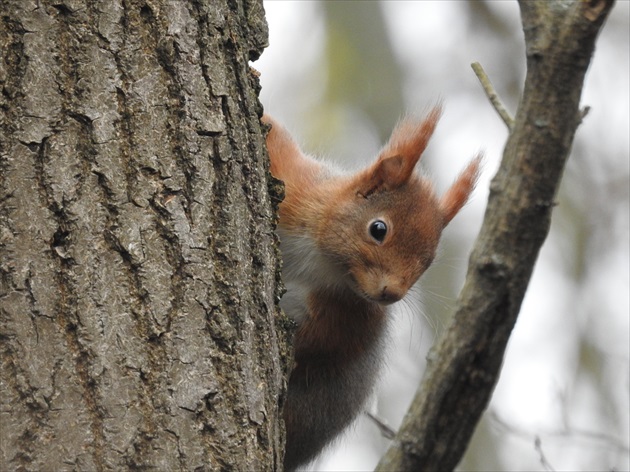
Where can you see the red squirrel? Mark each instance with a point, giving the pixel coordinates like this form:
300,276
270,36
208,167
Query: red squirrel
351,244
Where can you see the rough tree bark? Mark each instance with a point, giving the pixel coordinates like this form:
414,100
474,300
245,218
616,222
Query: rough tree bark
138,265
464,365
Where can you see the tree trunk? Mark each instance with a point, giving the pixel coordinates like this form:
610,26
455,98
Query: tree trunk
139,270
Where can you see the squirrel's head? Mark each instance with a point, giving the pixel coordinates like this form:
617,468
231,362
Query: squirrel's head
387,222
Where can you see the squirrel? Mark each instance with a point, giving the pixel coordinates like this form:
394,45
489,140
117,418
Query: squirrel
351,245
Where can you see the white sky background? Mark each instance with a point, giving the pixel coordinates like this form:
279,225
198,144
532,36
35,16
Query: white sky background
538,393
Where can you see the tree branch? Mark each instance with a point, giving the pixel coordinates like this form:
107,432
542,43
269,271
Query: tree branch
465,363
492,95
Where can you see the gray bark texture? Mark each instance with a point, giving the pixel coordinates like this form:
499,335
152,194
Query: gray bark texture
465,363
139,273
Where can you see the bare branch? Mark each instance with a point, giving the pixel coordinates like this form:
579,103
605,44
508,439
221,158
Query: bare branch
492,94
464,365
383,427
543,459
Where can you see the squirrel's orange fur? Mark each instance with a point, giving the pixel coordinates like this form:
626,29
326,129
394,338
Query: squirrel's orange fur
351,245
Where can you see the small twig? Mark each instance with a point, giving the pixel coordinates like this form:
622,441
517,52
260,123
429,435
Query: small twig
385,430
492,94
543,460
568,432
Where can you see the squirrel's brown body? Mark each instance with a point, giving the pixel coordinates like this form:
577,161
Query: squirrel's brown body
351,245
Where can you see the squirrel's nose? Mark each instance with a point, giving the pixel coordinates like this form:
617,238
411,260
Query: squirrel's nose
390,294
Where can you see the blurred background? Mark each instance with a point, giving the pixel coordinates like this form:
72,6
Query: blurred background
339,74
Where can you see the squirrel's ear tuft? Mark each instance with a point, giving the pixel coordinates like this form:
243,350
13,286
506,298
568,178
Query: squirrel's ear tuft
397,160
410,137
407,142
458,193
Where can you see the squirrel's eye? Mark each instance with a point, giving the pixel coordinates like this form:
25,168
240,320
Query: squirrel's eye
378,230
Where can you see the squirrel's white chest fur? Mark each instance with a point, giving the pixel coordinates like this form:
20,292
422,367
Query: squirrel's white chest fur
305,270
